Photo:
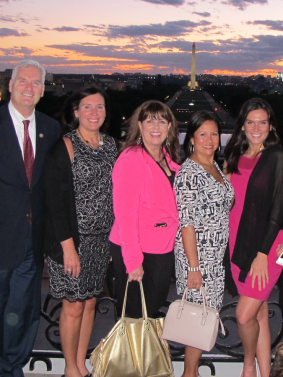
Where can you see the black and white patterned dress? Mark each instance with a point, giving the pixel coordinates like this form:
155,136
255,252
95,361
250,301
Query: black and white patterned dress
94,208
203,203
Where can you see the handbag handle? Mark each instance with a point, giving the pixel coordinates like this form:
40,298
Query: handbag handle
204,312
144,311
204,301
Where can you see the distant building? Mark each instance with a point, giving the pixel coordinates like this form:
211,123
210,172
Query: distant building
6,74
62,84
4,84
111,84
49,77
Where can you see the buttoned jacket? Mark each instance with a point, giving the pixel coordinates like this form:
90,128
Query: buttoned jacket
146,216
17,199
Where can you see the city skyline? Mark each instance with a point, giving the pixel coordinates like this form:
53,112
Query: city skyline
232,37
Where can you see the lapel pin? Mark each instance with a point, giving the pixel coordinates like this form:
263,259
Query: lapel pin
41,136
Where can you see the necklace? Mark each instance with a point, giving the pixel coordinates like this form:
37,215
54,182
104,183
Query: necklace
156,160
159,162
254,154
100,143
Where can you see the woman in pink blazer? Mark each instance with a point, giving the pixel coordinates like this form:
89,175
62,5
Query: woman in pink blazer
146,217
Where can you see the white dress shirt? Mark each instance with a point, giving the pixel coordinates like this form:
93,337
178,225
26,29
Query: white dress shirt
17,119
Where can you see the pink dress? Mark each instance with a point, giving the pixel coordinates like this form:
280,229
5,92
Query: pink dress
240,182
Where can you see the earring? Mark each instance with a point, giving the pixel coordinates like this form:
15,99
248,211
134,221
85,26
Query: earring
139,141
191,148
218,150
167,142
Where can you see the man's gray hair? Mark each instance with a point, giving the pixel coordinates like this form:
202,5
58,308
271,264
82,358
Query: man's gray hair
29,63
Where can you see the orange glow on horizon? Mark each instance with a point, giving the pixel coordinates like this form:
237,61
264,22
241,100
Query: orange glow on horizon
84,58
127,67
75,64
263,72
178,71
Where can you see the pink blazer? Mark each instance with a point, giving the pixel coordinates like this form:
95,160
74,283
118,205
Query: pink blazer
143,199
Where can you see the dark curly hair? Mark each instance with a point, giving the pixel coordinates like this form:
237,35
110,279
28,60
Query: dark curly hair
68,118
154,109
238,143
195,122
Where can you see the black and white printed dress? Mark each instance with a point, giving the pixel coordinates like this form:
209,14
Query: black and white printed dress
203,203
93,199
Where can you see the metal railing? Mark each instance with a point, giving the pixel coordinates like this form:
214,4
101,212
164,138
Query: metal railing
229,349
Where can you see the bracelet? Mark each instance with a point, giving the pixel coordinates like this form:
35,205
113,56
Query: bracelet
193,269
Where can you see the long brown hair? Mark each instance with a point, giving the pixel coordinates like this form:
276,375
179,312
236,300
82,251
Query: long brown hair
238,143
154,109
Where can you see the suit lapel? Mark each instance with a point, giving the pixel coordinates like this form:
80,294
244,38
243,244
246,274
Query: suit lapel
40,143
15,154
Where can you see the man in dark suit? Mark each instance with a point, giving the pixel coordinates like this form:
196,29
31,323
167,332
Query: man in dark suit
26,136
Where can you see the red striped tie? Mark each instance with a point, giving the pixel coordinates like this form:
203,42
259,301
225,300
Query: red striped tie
28,152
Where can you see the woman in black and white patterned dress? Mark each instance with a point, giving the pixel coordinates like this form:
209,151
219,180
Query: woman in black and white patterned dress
204,198
80,216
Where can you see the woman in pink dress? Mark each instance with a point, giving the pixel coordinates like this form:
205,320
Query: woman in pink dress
254,165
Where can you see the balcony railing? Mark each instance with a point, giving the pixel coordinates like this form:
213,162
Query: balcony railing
227,349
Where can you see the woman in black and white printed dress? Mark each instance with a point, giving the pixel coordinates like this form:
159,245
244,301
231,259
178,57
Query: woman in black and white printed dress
204,198
94,209
79,219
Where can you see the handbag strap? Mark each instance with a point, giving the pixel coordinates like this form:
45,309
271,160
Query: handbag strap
204,301
144,311
204,304
222,327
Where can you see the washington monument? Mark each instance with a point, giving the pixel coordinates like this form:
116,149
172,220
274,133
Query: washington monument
193,83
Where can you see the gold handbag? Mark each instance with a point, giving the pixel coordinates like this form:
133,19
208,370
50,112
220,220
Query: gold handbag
133,348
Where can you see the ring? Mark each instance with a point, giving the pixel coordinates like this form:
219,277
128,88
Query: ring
69,270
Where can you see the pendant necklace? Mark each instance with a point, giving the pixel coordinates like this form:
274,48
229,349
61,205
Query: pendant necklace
95,150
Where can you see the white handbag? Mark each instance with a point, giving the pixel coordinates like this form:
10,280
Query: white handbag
194,325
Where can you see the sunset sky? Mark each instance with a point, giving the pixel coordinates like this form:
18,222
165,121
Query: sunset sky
241,37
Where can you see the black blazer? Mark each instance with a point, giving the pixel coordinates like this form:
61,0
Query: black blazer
262,216
61,221
16,198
